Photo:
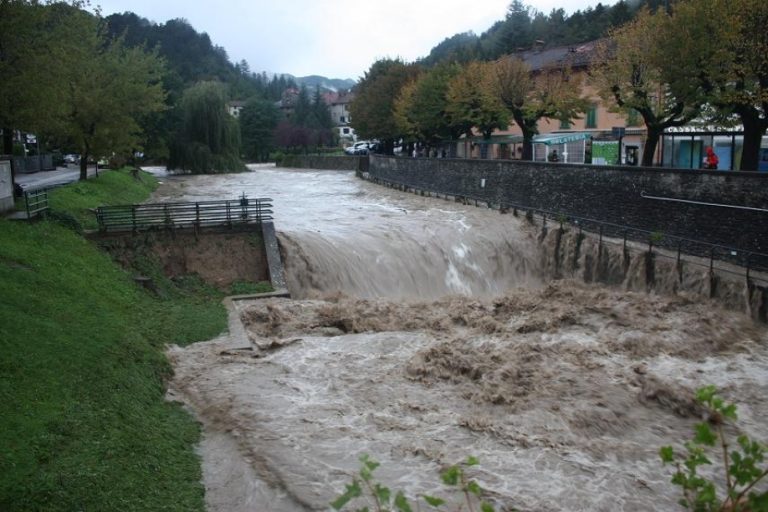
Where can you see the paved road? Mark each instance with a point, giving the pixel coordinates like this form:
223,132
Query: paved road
51,179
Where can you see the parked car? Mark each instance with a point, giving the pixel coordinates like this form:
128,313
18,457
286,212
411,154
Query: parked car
358,148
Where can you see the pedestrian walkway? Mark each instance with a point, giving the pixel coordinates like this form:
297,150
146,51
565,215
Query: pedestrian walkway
51,179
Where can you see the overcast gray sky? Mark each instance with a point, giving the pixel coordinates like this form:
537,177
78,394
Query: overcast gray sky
333,38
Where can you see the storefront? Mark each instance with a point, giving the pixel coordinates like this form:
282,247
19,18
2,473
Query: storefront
568,147
685,148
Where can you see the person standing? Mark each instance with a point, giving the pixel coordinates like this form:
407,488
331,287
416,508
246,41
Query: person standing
711,160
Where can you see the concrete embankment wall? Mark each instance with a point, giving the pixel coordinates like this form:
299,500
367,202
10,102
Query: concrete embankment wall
635,197
618,196
570,253
332,163
219,257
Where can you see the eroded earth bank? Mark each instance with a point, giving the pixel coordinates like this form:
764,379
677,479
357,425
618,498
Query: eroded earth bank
424,332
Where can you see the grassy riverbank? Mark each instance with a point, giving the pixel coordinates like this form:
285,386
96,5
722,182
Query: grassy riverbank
84,423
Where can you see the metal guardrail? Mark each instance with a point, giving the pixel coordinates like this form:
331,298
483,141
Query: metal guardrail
35,203
138,217
676,246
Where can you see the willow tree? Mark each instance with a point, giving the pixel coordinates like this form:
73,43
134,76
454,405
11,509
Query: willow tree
471,100
26,48
631,70
258,121
721,47
208,140
553,92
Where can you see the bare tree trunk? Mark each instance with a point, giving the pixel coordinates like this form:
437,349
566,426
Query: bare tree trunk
754,129
651,143
84,164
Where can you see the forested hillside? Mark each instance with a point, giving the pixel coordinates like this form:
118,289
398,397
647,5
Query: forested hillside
523,27
191,57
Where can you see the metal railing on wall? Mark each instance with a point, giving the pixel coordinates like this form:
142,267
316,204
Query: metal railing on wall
36,202
201,214
744,263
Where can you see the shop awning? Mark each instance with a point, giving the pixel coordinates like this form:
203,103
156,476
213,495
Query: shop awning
551,139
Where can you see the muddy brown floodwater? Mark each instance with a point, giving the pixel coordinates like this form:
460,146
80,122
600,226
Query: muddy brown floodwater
424,332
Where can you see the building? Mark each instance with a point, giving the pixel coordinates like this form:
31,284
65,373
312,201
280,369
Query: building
338,104
235,107
600,136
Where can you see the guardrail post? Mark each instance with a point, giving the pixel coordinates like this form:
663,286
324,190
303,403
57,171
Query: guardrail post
133,217
749,255
197,215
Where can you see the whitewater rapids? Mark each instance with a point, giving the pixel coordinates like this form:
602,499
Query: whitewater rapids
425,331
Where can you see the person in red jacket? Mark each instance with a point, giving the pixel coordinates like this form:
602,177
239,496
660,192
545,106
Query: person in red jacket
711,160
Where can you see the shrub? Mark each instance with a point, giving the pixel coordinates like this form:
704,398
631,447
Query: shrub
384,500
743,468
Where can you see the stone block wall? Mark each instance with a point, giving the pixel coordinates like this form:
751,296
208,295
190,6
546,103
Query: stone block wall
626,196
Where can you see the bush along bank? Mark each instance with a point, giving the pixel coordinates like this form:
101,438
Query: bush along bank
82,373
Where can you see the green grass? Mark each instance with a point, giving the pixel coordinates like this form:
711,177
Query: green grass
111,187
84,425
248,287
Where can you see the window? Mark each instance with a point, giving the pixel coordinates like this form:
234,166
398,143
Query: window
342,119
633,118
565,124
591,117
345,131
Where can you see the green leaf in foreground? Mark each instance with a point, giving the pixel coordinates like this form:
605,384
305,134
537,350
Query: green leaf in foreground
353,490
433,501
401,503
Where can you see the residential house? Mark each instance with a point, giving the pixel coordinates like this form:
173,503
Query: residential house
235,107
338,103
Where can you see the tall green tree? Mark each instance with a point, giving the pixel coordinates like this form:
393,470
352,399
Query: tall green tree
109,93
471,99
320,113
32,39
208,140
553,93
372,110
517,29
722,47
633,72
302,110
258,121
422,106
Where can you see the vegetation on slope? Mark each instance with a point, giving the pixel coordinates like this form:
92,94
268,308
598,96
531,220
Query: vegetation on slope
85,424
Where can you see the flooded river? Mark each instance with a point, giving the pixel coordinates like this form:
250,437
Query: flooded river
422,332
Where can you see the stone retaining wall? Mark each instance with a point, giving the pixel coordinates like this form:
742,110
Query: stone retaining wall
629,196
333,163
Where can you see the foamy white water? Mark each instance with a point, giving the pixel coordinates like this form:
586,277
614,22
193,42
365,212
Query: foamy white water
564,392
